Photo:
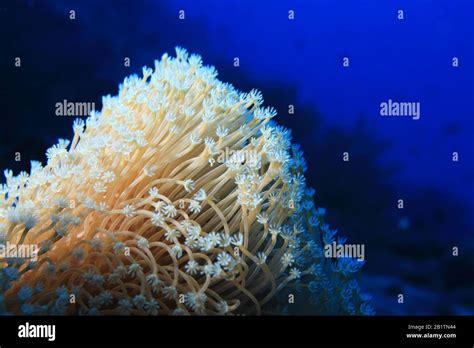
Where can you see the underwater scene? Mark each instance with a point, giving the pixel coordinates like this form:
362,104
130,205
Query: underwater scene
258,158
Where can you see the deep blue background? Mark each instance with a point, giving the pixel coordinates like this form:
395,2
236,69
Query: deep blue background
295,62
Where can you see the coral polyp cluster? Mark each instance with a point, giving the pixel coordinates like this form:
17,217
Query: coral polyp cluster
180,197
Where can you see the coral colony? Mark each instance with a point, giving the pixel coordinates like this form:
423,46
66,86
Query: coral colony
142,212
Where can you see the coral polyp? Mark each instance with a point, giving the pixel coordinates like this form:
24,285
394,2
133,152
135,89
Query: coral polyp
181,196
